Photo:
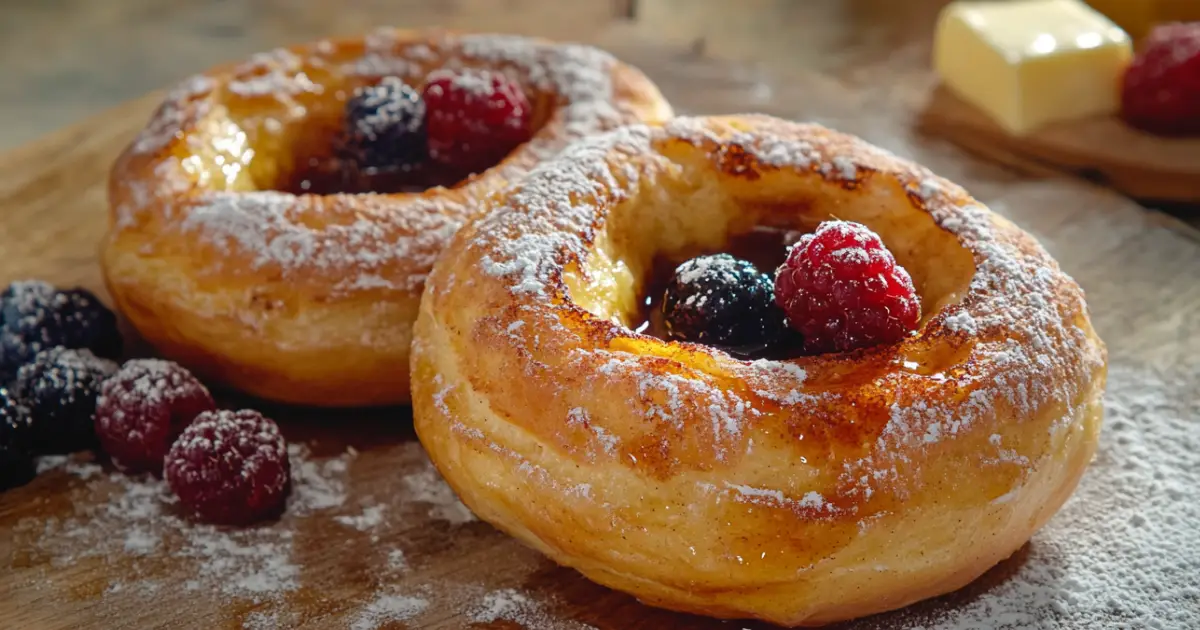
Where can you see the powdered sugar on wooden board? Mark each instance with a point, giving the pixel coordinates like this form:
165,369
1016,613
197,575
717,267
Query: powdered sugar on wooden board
130,523
1123,552
520,608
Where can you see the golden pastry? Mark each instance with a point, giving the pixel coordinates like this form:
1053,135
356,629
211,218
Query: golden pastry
233,249
800,491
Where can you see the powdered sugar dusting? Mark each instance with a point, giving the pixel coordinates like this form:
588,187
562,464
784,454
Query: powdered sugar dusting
1123,551
386,609
174,113
275,230
1120,554
521,608
427,486
554,194
393,244
137,519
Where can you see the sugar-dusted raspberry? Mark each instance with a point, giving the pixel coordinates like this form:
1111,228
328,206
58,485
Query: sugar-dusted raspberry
60,387
230,467
842,289
385,127
474,117
35,316
721,300
1161,88
143,408
16,430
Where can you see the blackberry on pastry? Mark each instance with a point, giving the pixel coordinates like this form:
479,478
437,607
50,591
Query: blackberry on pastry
722,301
385,127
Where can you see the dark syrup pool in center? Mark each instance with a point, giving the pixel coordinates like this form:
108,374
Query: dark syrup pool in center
328,176
766,249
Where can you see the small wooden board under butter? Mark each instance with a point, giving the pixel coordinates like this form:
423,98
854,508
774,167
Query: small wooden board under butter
1034,84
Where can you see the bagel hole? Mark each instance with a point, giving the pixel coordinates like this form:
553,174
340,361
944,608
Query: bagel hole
690,213
299,147
764,246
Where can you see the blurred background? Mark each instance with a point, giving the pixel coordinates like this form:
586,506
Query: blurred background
61,60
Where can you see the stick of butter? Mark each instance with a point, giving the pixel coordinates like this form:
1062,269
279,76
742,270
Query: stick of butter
1028,63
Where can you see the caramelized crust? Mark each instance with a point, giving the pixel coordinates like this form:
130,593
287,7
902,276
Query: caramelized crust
310,298
800,492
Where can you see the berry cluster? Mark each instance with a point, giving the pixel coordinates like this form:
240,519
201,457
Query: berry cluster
147,415
466,120
839,287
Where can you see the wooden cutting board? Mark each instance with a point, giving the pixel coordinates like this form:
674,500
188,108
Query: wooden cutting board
1141,165
373,538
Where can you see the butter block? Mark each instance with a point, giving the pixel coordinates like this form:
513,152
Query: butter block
1029,63
1137,17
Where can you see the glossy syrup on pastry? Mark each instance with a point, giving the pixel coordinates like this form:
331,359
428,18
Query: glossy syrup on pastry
397,137
766,249
331,175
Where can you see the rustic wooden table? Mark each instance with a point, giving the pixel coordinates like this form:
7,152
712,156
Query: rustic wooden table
373,538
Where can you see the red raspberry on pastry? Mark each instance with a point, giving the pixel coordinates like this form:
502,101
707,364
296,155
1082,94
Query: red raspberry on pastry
842,289
474,117
1161,90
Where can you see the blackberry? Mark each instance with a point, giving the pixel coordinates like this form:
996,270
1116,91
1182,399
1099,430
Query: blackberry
722,301
60,387
16,459
385,127
34,316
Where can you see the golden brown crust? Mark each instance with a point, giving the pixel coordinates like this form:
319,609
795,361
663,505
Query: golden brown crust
310,299
799,492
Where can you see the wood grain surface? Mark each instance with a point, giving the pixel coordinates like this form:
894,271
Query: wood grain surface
1139,164
380,543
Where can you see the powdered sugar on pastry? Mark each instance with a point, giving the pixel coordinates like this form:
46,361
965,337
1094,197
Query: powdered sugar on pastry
791,472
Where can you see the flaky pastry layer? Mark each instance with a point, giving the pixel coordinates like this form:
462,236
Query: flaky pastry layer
309,298
800,492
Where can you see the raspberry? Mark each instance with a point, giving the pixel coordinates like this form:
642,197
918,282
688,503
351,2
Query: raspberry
723,301
385,127
16,460
60,387
1161,88
842,289
35,316
229,467
475,117
143,408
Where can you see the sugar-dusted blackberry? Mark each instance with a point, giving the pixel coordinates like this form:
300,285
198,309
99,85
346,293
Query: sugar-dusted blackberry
721,300
143,408
230,467
60,387
34,316
385,127
16,458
